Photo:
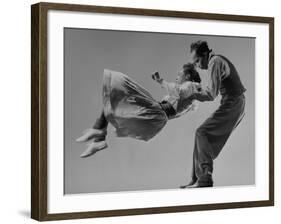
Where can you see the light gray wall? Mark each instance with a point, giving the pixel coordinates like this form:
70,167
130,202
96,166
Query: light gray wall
165,161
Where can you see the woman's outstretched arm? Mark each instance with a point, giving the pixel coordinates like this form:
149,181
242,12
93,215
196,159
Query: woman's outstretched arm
171,88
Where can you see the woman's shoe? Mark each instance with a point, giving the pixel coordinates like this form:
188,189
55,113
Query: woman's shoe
93,148
91,133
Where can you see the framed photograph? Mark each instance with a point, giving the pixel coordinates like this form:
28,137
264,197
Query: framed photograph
143,111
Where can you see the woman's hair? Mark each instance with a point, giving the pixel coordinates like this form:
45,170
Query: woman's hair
189,68
200,47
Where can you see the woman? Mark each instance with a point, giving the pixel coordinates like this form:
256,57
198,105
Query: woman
132,110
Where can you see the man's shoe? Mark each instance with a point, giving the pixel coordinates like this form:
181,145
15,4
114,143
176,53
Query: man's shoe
91,133
191,183
201,184
93,148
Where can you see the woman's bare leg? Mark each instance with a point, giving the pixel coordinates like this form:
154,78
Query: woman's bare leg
97,132
101,124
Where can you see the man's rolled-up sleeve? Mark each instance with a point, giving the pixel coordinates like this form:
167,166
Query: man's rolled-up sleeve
210,92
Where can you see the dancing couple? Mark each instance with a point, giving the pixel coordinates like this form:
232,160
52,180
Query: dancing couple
133,112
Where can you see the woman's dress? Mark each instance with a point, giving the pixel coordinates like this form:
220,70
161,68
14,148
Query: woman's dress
131,109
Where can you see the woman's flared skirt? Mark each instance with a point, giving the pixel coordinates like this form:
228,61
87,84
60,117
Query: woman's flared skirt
130,108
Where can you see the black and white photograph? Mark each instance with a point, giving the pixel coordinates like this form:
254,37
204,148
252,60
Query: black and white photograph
141,111
133,112
150,111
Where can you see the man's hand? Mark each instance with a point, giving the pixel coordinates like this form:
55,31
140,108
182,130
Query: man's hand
156,77
198,87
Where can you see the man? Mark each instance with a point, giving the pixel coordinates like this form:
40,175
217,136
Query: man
212,135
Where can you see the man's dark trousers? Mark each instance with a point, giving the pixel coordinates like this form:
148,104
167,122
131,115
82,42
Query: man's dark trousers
212,135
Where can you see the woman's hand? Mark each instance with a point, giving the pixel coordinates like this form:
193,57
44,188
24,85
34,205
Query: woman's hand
156,77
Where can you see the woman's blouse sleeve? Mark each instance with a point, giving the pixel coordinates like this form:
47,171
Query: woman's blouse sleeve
172,88
187,89
184,90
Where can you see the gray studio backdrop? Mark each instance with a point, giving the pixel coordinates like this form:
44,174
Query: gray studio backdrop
165,161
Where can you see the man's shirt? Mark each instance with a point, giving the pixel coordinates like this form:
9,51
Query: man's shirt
223,79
